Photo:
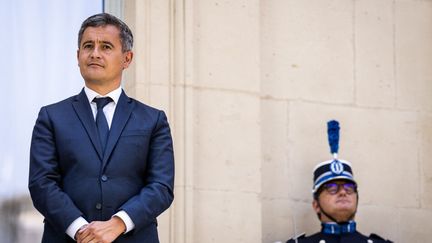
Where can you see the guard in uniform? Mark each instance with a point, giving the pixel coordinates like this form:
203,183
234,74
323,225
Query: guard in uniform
335,200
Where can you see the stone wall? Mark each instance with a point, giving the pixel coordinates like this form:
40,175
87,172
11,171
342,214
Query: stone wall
248,87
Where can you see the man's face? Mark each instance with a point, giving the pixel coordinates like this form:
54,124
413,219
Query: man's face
100,56
337,199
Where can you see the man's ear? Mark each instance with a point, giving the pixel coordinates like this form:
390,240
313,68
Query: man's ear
78,57
127,59
315,206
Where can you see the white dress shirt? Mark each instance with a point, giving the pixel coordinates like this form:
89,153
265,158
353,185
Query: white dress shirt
108,111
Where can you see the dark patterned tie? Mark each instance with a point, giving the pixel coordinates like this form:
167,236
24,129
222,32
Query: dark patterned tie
101,121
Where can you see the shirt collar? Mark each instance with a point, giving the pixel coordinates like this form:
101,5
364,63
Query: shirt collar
337,229
114,95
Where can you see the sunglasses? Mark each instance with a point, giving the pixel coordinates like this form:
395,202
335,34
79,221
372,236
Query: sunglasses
333,187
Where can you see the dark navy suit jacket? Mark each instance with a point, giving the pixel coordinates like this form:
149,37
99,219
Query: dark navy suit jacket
71,177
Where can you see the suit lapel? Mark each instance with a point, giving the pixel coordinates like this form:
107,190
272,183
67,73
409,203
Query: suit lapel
83,111
121,116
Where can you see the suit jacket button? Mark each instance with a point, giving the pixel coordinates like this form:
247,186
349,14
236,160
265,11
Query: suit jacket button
98,206
104,178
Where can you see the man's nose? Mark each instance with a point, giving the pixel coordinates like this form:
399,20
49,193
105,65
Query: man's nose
342,190
95,52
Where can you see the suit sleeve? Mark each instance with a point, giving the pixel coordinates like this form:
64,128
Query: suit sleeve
157,194
45,177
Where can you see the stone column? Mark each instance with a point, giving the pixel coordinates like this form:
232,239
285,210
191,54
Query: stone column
199,61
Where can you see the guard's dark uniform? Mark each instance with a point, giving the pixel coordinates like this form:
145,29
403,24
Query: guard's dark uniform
354,237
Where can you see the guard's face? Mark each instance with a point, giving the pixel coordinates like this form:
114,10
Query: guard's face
100,56
339,201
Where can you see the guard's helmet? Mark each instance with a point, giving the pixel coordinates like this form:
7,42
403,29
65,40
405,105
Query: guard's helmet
334,169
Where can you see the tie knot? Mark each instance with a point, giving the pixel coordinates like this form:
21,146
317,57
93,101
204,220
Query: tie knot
102,102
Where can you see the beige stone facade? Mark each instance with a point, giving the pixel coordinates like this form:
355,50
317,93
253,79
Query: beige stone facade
248,87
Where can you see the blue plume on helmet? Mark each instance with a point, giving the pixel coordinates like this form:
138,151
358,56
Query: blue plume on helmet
333,136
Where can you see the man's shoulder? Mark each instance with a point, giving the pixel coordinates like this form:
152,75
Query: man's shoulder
373,238
376,238
142,105
61,104
143,108
296,238
302,238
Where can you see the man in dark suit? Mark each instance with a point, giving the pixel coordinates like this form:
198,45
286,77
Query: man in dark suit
101,163
335,200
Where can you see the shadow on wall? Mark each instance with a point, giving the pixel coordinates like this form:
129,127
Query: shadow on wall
20,222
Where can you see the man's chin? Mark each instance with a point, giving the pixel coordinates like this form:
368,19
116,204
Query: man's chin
345,215
93,80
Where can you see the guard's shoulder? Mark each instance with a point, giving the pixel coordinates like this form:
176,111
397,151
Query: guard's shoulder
302,238
297,237
376,238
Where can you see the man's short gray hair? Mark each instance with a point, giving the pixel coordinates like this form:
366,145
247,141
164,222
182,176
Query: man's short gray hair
104,19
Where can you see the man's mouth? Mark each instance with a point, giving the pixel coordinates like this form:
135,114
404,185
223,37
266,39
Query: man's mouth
95,65
342,201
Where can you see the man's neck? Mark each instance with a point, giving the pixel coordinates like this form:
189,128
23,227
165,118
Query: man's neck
102,89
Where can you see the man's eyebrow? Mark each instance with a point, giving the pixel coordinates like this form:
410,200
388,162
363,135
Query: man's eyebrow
86,42
107,42
103,42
